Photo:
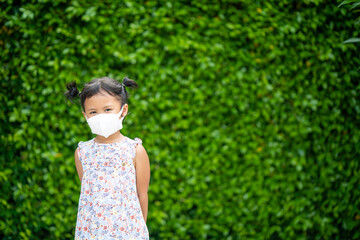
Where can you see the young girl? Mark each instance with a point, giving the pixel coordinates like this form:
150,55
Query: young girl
114,170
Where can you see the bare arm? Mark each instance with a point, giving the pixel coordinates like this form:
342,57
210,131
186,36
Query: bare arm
142,167
78,165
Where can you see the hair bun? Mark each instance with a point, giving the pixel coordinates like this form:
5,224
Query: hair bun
127,82
72,91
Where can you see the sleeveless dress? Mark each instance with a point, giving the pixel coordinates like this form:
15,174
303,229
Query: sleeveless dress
109,207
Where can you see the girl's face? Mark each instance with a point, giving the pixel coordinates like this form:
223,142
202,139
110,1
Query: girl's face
103,103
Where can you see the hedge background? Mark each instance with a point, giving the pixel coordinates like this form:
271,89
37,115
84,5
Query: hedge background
249,111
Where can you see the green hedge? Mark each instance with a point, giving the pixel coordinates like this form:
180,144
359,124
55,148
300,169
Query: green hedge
249,111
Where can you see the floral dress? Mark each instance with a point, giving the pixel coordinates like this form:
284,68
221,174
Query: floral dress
109,207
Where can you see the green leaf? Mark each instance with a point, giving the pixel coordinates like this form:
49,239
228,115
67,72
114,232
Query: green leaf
355,5
346,2
352,40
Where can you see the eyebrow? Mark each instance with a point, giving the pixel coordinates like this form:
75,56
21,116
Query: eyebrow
106,106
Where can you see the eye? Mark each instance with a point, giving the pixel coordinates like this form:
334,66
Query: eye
92,112
108,110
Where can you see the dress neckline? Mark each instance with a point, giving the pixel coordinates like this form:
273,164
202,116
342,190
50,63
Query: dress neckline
109,144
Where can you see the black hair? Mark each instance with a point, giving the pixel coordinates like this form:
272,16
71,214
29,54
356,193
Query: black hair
109,85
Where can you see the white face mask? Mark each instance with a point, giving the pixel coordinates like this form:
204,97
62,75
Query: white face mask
105,124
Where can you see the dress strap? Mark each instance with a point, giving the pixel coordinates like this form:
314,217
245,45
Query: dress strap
80,150
138,141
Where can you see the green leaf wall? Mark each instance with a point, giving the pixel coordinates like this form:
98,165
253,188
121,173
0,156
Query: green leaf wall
249,112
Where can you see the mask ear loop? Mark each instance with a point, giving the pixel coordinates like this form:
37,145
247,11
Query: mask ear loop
121,111
86,117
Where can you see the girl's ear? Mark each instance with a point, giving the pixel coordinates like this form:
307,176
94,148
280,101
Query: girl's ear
84,114
125,110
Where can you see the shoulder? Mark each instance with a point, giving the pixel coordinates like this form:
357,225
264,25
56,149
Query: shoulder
140,150
141,156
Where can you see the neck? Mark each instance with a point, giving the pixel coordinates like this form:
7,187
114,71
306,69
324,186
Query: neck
116,137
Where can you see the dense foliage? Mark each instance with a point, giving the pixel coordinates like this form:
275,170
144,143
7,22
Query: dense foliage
355,6
249,111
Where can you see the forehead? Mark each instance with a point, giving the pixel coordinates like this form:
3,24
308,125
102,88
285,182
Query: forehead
101,100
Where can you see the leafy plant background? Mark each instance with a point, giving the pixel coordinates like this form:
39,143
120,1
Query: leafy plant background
249,111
